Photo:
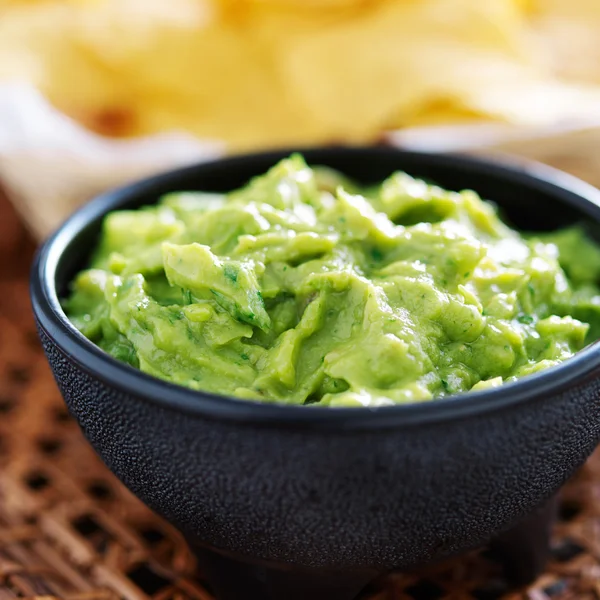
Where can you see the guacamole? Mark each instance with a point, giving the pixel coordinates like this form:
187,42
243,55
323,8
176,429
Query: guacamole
304,288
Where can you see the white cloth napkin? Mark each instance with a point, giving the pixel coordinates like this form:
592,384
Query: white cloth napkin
49,164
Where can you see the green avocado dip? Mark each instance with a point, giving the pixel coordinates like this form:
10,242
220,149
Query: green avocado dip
303,288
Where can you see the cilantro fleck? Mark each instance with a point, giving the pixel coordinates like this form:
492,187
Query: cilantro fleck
376,254
230,273
174,316
525,319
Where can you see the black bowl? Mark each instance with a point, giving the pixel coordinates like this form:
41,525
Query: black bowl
335,495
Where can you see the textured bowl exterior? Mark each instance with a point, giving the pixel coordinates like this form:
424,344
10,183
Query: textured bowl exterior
375,491
379,499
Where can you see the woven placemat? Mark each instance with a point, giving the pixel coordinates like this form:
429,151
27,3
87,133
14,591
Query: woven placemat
70,530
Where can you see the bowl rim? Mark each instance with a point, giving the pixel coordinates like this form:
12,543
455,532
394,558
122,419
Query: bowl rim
74,346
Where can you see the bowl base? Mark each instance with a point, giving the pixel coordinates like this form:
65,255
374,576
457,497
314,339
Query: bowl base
522,551
232,579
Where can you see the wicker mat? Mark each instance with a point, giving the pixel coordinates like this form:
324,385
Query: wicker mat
69,530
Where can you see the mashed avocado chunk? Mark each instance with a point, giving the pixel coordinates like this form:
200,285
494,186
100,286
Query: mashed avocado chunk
303,288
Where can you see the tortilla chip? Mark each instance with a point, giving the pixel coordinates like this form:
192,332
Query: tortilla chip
258,73
570,33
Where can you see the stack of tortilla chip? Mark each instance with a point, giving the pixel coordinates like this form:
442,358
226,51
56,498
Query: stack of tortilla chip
259,73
